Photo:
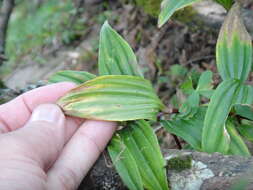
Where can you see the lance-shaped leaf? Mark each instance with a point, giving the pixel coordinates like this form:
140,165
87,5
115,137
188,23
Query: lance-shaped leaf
117,58
234,47
215,137
143,145
244,111
113,98
77,77
188,129
227,4
246,131
169,7
243,101
229,93
237,145
125,163
244,95
115,55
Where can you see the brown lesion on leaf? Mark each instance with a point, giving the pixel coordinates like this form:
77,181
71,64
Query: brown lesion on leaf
234,26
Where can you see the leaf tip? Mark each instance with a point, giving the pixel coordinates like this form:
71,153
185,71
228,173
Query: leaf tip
234,26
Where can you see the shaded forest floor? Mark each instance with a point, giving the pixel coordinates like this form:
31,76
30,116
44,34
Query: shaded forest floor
161,52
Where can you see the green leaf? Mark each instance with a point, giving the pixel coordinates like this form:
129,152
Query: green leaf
125,163
205,84
244,111
187,86
115,55
234,47
237,145
244,95
169,7
227,4
188,129
142,143
113,98
77,77
117,58
190,106
228,94
246,131
215,137
177,70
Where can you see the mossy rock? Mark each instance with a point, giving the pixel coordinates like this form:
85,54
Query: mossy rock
180,163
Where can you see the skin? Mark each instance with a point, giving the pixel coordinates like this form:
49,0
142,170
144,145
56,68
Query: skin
41,148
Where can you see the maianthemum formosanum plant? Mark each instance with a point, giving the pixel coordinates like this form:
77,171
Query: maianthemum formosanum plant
121,93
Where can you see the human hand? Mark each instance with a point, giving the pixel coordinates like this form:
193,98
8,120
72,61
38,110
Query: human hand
42,149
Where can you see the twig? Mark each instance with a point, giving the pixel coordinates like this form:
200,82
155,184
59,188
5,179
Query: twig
5,13
201,59
177,142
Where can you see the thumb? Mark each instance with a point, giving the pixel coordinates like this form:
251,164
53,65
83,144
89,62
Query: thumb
40,140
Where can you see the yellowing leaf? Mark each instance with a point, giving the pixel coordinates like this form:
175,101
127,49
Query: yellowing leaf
117,58
113,98
234,48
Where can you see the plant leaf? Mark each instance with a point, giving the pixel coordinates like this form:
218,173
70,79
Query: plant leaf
227,4
190,106
117,58
215,137
142,143
115,55
205,86
237,145
187,86
246,131
228,94
234,47
113,98
188,129
77,77
244,111
125,163
244,95
169,7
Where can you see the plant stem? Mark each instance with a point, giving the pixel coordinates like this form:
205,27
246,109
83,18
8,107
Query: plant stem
177,142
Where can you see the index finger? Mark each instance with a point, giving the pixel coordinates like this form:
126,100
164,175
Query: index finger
16,113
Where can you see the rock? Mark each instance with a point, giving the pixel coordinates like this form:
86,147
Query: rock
207,172
211,14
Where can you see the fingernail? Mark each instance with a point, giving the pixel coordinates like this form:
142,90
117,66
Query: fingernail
49,113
